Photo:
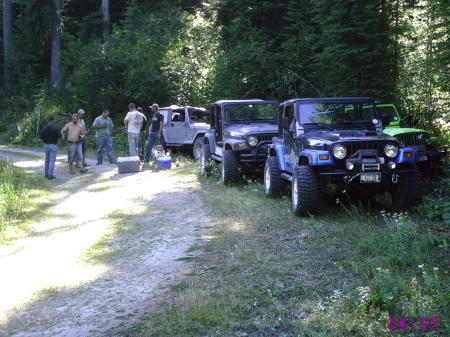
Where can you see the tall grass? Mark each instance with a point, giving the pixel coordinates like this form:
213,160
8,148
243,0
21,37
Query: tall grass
17,193
265,272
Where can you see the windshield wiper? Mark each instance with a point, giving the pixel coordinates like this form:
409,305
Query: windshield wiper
320,125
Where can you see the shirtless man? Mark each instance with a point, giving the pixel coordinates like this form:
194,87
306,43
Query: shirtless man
75,133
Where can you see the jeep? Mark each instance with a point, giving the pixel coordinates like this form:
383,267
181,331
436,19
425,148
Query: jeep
241,131
185,126
338,143
429,156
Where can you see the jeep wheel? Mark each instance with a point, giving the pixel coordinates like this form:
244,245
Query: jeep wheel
274,185
305,191
407,192
229,167
205,158
197,148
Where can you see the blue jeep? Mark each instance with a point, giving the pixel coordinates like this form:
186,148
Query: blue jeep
338,142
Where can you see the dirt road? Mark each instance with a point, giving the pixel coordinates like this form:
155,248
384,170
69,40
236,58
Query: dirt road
105,253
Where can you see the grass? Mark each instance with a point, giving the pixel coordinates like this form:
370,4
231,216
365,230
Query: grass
265,272
22,198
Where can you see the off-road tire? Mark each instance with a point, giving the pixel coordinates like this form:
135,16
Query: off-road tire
274,184
205,158
197,147
407,192
229,167
305,191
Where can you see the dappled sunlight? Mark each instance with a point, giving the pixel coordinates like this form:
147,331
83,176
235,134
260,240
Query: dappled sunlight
85,210
237,227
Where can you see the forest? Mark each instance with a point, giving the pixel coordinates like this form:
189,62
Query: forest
60,55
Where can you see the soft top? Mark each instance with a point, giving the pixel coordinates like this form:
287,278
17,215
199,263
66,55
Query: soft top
331,100
243,101
177,107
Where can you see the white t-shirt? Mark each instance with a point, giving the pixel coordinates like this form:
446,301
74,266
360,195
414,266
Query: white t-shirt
135,120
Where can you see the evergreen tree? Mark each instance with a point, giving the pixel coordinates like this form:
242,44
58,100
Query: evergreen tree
7,44
353,49
55,72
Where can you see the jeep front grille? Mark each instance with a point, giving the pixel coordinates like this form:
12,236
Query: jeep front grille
352,148
262,138
412,139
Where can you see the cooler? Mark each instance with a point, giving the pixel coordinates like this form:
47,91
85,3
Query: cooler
164,162
128,164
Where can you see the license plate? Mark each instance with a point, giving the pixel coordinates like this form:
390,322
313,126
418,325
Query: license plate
374,177
423,158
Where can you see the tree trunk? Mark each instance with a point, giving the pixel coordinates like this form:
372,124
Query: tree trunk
7,32
106,24
55,73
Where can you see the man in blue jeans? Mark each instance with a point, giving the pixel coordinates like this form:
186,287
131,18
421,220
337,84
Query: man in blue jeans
103,126
50,134
156,128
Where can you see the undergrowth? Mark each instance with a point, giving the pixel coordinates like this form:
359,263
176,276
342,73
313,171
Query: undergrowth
19,191
265,272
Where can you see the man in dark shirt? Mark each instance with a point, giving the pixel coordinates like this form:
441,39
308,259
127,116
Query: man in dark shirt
156,129
50,134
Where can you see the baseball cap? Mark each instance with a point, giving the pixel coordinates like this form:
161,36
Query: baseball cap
154,106
50,118
81,112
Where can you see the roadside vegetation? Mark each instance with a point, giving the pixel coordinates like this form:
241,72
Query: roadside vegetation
20,198
265,272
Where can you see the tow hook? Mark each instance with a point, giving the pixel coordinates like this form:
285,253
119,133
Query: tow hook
349,179
395,178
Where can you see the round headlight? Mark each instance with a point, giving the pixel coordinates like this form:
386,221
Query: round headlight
391,150
252,141
339,151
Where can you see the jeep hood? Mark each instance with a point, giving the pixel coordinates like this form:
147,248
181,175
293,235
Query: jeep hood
252,128
343,135
400,131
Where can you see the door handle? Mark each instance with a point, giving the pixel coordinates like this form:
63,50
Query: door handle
171,124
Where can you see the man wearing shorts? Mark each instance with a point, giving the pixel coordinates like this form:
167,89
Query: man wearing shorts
75,133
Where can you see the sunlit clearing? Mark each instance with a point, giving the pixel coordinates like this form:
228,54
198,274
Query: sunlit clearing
84,211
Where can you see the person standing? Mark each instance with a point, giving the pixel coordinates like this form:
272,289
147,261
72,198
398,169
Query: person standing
50,135
142,136
75,133
103,126
134,121
81,115
155,132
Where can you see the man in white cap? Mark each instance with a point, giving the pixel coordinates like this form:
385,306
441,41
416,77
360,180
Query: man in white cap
81,115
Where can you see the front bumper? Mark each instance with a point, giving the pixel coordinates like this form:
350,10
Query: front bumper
256,155
343,176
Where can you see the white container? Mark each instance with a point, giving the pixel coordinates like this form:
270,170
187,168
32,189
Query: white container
128,164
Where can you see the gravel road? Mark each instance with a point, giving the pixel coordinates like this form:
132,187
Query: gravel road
104,255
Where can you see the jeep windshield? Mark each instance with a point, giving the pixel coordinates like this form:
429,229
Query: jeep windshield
336,115
235,113
387,110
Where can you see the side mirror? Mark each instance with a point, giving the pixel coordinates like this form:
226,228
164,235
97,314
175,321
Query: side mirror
284,123
385,120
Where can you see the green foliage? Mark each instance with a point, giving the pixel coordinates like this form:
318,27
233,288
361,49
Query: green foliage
436,204
193,52
17,190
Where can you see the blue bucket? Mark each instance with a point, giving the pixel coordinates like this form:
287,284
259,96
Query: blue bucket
164,162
